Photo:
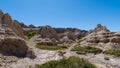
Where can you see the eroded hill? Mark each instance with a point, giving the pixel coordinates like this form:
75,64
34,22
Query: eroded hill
24,46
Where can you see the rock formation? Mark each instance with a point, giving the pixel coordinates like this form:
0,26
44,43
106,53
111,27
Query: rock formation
47,36
11,37
54,36
100,28
31,26
72,34
23,25
9,25
103,37
47,32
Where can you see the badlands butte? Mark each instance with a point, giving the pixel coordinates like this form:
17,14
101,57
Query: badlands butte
24,46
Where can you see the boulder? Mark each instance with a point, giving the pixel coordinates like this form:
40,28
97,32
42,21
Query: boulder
13,46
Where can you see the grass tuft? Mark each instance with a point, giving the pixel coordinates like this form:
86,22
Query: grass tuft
115,52
72,62
86,49
31,34
106,58
45,47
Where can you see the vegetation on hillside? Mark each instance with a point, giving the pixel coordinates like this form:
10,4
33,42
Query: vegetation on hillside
115,52
31,34
106,58
72,62
54,47
86,49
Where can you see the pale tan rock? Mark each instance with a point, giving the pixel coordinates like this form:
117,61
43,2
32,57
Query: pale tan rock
101,35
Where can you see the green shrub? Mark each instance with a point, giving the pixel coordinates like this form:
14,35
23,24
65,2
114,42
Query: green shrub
106,58
46,47
72,62
86,49
30,66
115,52
31,34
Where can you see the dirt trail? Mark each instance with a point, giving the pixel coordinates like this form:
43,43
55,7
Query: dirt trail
31,42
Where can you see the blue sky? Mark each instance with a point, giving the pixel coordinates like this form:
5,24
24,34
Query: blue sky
83,14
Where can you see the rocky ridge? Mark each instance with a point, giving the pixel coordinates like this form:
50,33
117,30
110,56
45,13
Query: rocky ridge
102,37
53,36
